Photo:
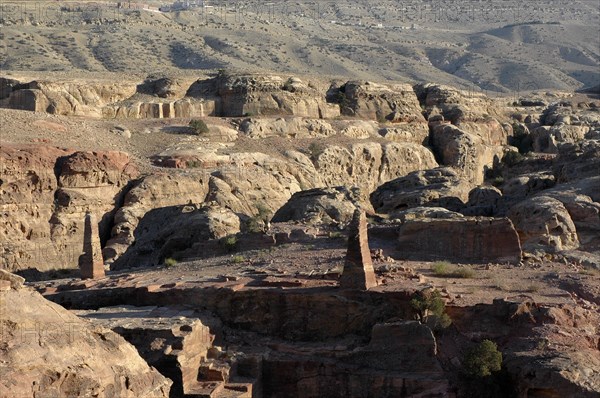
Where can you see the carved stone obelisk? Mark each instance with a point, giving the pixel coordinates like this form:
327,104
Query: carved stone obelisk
358,269
91,263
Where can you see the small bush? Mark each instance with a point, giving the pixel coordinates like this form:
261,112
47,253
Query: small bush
440,268
315,149
229,242
483,360
260,221
446,270
336,235
170,262
199,127
512,158
238,259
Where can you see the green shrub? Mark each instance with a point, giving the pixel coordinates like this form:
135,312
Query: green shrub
170,262
428,302
483,360
336,235
512,158
229,242
259,222
199,126
238,259
446,270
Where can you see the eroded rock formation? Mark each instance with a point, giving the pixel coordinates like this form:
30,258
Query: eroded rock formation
47,351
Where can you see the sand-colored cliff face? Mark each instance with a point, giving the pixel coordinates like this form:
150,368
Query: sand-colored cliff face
48,351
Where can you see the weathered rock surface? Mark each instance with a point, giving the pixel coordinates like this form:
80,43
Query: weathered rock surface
47,351
45,194
164,232
483,201
551,351
544,223
548,139
69,97
466,152
474,240
320,206
367,165
440,187
241,95
151,192
368,100
176,342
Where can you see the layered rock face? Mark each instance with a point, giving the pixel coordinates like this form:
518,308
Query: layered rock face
47,351
474,240
268,95
540,370
68,98
46,193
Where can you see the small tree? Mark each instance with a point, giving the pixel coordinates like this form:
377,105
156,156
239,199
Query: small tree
428,302
430,307
199,126
483,360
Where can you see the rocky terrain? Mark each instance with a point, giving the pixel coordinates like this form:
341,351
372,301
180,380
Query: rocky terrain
226,248
492,46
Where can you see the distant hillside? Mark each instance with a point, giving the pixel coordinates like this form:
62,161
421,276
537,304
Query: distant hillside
496,48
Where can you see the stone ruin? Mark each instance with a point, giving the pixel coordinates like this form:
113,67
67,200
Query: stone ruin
358,270
91,263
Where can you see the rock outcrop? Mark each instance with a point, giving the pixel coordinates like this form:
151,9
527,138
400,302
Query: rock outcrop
47,351
466,152
241,95
150,192
164,232
440,187
69,97
471,240
544,223
45,194
320,206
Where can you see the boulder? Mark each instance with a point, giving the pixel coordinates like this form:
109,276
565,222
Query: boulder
320,206
548,139
434,187
544,223
577,161
367,100
483,201
48,351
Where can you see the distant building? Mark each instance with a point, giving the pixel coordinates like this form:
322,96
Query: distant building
183,5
